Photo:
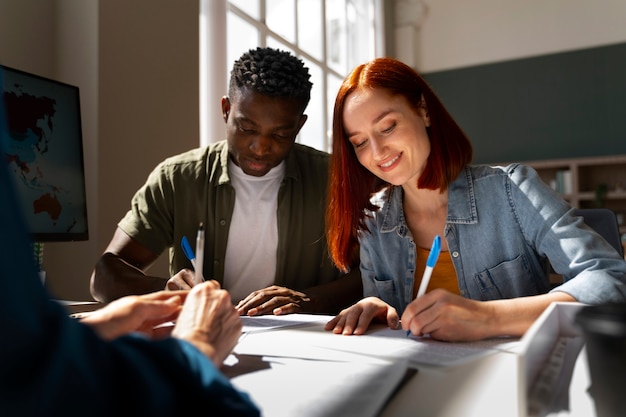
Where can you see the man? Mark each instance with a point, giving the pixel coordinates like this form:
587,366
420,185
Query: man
259,195
56,365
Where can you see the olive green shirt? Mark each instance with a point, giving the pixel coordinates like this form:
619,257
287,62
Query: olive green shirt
194,187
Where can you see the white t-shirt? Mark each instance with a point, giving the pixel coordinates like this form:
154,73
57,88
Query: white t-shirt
253,236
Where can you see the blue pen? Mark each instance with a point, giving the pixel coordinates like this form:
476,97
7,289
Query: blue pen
430,264
191,256
188,251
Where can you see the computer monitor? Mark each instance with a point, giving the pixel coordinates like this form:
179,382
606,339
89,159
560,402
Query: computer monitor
44,152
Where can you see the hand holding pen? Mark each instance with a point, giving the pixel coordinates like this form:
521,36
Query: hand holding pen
197,260
435,249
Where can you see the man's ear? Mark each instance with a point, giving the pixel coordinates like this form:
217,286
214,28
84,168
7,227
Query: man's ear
225,108
303,120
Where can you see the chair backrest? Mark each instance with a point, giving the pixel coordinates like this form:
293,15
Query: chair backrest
603,221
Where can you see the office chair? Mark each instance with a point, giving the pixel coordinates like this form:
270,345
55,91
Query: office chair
603,221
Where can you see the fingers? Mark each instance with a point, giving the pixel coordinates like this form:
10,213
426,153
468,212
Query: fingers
357,318
393,320
209,321
272,300
183,280
447,316
420,313
135,313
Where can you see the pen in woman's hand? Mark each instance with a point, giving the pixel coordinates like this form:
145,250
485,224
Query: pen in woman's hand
430,265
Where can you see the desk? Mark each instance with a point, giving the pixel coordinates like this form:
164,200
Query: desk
78,309
302,370
457,392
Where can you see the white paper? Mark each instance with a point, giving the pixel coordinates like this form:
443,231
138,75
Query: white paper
313,342
296,387
270,322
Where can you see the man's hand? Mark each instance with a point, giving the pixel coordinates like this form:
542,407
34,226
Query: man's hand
272,300
183,280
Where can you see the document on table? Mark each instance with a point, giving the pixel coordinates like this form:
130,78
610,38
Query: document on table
291,366
265,323
298,387
311,341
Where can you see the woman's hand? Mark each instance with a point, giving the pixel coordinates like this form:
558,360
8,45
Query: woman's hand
357,318
447,316
136,313
450,317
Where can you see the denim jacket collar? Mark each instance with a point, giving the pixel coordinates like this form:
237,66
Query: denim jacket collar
461,204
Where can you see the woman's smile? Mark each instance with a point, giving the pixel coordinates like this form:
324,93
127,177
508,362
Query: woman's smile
390,163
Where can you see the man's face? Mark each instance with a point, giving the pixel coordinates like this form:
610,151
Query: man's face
260,129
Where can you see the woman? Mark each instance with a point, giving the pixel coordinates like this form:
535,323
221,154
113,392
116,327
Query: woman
401,174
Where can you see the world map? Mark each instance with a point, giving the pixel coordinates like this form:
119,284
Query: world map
43,164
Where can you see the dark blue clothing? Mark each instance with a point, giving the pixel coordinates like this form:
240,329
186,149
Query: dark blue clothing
52,364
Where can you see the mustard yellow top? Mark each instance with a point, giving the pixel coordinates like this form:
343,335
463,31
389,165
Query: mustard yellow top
443,276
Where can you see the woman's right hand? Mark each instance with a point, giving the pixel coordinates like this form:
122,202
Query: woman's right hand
357,318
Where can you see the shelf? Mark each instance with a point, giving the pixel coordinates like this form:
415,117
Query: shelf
584,178
611,195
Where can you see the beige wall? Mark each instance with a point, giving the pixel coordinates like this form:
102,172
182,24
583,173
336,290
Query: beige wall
149,100
459,33
136,64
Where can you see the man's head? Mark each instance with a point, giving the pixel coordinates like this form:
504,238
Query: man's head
264,111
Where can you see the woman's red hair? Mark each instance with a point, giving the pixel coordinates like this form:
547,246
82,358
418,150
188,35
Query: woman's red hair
351,185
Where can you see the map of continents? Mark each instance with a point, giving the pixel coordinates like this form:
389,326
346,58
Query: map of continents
31,126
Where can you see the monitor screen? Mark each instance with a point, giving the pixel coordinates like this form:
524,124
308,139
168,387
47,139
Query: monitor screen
44,152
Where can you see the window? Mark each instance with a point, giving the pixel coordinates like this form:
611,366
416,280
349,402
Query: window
330,36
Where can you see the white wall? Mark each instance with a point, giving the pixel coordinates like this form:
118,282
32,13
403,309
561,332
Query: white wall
459,33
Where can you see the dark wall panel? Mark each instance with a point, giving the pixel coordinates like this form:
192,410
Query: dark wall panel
564,105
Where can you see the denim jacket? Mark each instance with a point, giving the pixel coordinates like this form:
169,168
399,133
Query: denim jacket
504,228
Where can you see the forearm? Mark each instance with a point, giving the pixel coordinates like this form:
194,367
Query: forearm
514,316
114,278
334,296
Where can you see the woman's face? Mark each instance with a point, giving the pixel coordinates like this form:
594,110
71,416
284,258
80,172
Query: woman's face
388,134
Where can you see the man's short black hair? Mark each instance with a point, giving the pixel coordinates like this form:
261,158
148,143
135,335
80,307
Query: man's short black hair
271,72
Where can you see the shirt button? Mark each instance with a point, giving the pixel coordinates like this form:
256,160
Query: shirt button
455,254
222,222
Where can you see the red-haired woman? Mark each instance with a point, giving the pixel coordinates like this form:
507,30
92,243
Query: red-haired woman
401,174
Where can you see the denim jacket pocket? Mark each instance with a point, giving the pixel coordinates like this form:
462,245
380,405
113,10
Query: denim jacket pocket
507,279
388,292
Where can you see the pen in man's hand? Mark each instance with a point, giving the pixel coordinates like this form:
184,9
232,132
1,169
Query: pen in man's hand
430,264
188,251
199,255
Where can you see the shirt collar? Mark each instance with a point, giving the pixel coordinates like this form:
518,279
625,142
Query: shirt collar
461,204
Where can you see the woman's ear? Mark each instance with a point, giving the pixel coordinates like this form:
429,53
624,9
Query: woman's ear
422,110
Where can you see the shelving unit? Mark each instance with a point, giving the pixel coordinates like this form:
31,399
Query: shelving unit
594,182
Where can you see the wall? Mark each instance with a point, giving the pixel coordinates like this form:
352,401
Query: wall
526,80
62,47
149,99
458,33
136,64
